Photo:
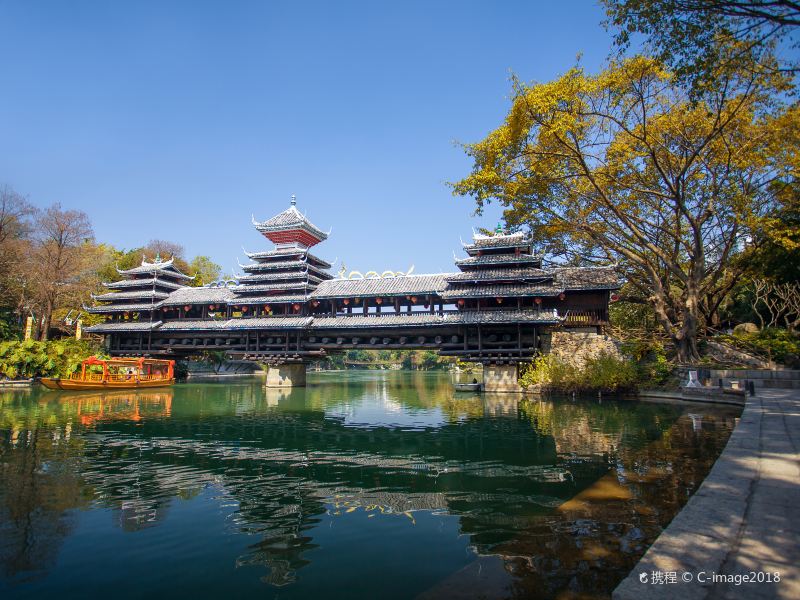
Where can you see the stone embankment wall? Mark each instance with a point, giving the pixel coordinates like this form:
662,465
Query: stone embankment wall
575,347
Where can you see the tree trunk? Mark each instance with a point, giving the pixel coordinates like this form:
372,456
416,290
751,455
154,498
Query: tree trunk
47,319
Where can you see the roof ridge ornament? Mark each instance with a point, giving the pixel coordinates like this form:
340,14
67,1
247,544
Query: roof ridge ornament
294,200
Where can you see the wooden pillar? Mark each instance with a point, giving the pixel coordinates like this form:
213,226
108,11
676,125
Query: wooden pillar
430,303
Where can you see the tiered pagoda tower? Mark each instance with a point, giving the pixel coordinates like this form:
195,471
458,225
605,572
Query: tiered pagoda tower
500,271
279,281
136,300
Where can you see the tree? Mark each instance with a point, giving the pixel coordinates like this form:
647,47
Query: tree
61,260
204,269
695,36
15,212
625,167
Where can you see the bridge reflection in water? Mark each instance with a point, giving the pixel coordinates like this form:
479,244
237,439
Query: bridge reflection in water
388,479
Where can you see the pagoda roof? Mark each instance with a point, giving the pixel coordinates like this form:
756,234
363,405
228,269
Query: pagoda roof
498,259
130,295
258,267
112,308
379,286
299,285
148,282
293,250
291,226
501,290
258,278
587,278
480,242
199,295
502,274
165,268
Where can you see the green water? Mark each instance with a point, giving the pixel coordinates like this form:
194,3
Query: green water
361,485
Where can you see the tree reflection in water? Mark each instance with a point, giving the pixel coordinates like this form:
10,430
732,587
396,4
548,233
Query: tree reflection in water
568,493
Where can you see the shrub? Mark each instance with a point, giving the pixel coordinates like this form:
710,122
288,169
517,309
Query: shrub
773,342
43,359
605,372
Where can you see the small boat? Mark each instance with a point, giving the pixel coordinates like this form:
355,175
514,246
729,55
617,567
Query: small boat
15,383
468,387
116,374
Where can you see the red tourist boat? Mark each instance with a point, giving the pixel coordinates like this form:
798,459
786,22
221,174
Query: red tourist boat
116,374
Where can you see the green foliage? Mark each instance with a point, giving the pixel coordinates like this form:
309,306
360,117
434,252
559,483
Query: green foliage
8,325
19,360
204,269
605,373
772,342
652,365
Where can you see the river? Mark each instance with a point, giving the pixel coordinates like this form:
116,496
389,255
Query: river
364,484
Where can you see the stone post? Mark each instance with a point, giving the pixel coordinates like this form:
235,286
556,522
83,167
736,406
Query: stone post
286,376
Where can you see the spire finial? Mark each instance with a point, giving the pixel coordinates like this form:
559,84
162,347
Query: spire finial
294,200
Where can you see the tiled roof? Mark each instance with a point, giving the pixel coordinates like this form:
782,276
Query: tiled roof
500,291
499,259
414,319
509,316
298,251
199,295
509,240
389,286
288,275
500,274
270,323
123,326
257,267
425,319
148,282
301,286
238,300
130,295
164,268
290,219
122,308
587,278
196,324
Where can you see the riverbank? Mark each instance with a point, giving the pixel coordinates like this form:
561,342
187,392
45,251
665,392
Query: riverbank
744,519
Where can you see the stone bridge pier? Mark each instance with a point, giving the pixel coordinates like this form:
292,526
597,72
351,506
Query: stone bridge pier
286,375
501,377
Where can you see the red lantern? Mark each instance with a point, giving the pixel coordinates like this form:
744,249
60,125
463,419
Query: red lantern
267,307
614,297
127,315
378,300
187,308
561,296
346,301
538,300
414,299
499,300
244,309
461,302
315,303
296,307
165,309
212,306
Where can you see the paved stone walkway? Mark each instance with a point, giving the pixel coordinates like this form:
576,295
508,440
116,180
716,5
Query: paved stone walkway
744,518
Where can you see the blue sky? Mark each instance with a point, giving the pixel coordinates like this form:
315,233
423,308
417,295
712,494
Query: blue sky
178,120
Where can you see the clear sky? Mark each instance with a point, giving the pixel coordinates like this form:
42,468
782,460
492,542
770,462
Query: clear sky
178,120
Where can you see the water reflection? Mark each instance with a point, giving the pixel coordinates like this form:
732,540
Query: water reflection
292,482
